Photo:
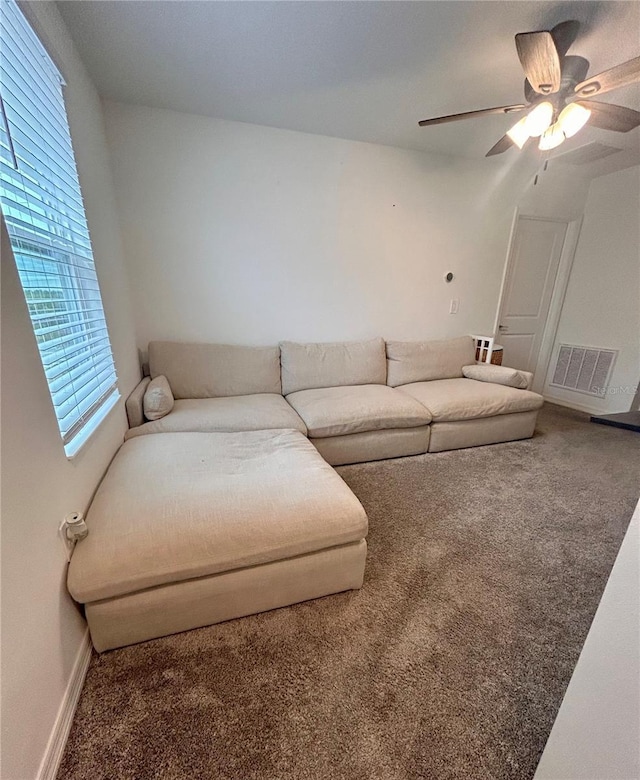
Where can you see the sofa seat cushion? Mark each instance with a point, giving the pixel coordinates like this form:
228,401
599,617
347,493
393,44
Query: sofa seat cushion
187,505
468,399
265,411
336,411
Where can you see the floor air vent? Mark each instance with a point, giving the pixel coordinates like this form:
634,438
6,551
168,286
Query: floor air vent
584,369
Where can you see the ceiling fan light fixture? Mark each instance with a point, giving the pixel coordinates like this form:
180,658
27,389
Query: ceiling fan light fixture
540,119
573,118
556,87
519,133
551,138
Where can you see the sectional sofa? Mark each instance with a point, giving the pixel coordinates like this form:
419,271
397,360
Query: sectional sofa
356,401
222,501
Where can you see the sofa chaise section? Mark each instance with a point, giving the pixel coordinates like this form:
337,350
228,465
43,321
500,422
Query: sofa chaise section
339,390
216,387
189,529
465,412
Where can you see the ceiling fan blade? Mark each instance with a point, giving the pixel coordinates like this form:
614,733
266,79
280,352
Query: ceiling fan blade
564,34
606,116
503,144
623,74
440,120
540,61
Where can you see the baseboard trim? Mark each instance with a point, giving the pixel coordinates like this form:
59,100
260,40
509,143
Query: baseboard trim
572,404
62,725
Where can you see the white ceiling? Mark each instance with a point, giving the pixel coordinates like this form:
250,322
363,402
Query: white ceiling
366,71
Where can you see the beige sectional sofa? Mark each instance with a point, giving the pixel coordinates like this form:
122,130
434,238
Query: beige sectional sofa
230,507
356,401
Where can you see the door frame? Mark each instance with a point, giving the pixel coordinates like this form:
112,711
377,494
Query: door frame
560,285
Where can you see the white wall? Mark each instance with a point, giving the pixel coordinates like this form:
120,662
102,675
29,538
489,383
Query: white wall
248,234
560,193
595,734
42,629
602,303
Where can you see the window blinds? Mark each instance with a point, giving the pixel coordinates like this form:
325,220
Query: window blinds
44,214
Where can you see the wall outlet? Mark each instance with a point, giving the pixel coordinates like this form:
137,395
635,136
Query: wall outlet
454,305
71,530
69,544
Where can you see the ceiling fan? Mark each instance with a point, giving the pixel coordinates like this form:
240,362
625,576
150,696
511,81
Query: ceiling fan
558,93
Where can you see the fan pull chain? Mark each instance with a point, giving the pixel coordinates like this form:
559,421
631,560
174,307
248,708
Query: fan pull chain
544,168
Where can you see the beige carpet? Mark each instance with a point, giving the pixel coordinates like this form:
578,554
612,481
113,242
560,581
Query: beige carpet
485,568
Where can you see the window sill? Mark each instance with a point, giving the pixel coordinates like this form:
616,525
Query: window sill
77,444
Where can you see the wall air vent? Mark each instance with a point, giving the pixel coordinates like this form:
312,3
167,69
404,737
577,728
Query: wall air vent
583,369
586,154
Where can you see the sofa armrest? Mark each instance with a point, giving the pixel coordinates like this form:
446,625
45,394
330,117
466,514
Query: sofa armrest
499,375
134,404
529,377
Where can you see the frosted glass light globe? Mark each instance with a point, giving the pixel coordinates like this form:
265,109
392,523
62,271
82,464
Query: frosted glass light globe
551,138
539,119
573,118
519,133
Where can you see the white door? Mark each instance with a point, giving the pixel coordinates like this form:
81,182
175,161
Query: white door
531,274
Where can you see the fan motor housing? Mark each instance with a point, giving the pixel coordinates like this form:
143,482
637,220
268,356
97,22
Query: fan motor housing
574,70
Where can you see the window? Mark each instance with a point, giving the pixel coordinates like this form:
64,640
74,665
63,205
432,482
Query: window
43,210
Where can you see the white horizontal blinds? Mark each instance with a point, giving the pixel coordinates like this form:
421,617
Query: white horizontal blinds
44,213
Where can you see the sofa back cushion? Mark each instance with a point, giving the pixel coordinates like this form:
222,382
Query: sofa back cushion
215,370
309,366
421,361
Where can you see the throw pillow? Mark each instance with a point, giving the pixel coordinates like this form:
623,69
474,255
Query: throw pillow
158,399
499,375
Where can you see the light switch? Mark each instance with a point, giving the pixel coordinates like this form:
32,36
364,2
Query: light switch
453,306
